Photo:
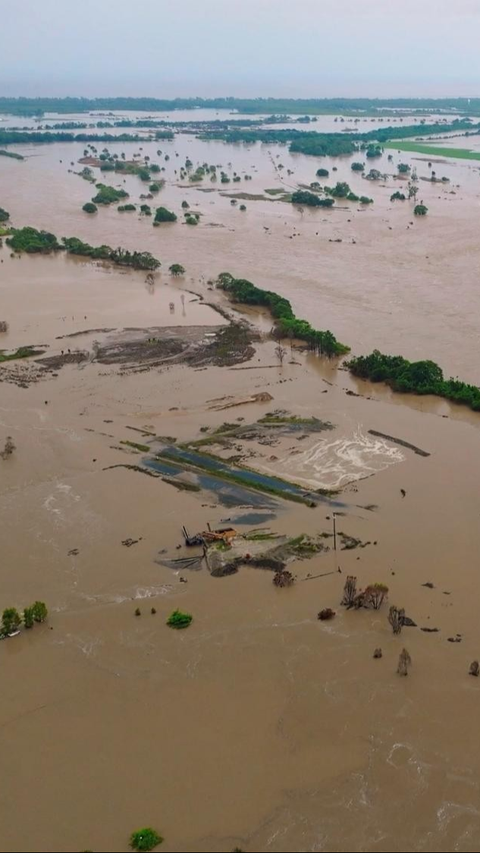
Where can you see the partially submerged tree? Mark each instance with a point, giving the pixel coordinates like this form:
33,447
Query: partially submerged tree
3,326
11,621
8,448
40,612
283,578
179,620
474,668
280,352
396,616
375,595
404,661
145,839
176,269
420,210
349,591
4,215
28,618
90,207
164,215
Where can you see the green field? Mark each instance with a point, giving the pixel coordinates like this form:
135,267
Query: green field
433,150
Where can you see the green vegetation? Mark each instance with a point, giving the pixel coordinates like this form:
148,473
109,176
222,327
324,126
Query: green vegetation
145,210
11,154
340,190
90,207
373,151
435,150
21,352
179,620
11,621
278,106
356,167
397,196
145,839
28,617
22,137
164,215
126,208
404,168
176,269
154,188
322,173
4,215
32,241
418,377
108,195
420,210
310,199
39,611
185,205
191,218
287,324
243,207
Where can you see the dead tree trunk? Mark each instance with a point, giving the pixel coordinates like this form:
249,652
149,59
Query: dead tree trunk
396,616
349,591
404,661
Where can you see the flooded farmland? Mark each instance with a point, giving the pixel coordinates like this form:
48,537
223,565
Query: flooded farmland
260,727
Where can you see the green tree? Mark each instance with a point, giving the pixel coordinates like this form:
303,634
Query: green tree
403,168
40,612
185,205
4,215
357,167
145,839
28,617
144,174
10,621
322,173
90,207
164,215
177,269
397,196
179,620
420,210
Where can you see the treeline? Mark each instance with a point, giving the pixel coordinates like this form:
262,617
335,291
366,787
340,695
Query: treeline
12,620
22,137
32,241
39,106
286,323
336,144
414,377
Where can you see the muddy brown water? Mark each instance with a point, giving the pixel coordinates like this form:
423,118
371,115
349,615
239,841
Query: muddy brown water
259,726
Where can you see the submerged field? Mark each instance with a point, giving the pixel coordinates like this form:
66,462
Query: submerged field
132,723
433,150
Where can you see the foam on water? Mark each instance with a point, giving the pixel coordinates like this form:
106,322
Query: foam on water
330,464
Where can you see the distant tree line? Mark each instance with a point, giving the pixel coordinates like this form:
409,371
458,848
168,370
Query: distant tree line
38,106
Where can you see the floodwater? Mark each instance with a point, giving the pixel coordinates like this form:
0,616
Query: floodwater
258,727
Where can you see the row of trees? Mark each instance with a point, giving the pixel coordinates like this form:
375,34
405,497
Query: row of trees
32,241
12,620
418,377
286,323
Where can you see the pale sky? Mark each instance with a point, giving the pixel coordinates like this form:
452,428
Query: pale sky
249,48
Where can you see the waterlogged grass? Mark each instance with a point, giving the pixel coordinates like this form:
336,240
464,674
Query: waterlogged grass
434,150
143,448
21,352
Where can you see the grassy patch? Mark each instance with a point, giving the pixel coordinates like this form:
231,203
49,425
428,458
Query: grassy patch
434,150
143,448
21,352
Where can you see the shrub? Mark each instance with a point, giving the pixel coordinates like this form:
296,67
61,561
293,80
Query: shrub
3,326
420,210
108,195
243,207
185,205
179,620
10,621
154,188
404,168
4,215
190,219
397,196
164,215
90,207
322,173
28,617
357,167
124,208
310,199
39,611
145,839
177,269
